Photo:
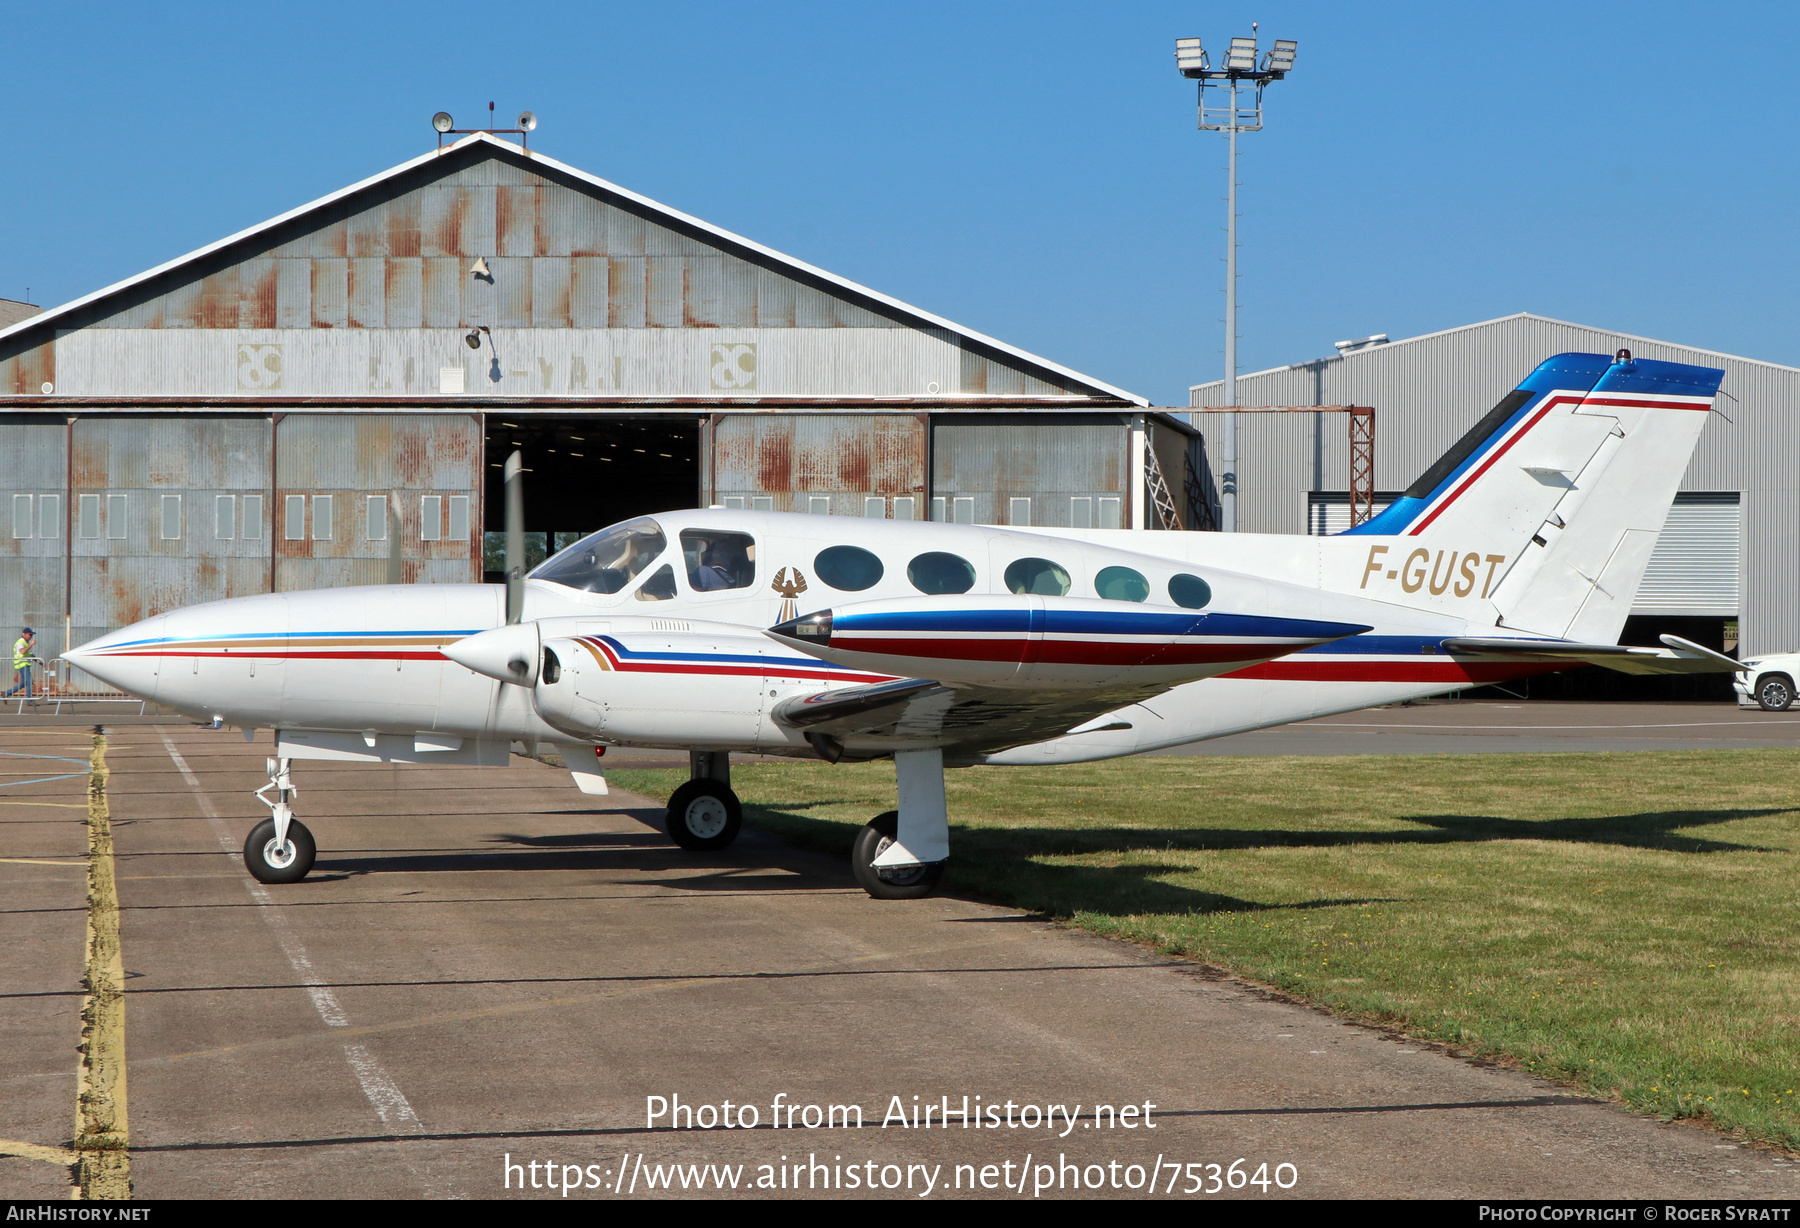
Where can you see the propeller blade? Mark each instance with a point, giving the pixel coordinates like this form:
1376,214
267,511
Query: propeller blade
515,536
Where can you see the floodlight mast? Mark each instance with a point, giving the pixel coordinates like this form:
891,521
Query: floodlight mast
1227,116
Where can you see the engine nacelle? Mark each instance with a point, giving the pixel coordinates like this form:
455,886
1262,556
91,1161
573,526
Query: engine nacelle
675,688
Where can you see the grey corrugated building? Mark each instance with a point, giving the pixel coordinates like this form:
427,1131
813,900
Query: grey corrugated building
326,398
1727,555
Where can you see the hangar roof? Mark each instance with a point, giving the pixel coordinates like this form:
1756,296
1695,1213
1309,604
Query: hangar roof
1019,372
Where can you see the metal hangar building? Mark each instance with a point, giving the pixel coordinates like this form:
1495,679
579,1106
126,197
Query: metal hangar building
1724,569
327,398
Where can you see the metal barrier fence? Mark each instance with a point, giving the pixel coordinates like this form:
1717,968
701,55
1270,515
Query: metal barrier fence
57,683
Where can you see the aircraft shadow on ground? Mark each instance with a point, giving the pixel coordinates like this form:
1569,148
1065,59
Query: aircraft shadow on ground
1014,855
624,852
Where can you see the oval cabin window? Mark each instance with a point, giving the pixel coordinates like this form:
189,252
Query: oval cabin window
1189,592
1038,576
850,569
1122,584
936,573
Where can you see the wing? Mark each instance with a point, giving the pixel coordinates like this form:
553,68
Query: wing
967,721
1680,657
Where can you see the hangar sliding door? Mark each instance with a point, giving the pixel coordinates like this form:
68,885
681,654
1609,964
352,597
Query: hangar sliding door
376,499
164,512
835,464
33,534
1695,569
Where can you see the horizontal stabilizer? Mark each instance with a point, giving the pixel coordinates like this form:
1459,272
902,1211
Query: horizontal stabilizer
1679,657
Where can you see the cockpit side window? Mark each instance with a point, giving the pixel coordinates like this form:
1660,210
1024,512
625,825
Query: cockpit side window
607,561
659,587
718,560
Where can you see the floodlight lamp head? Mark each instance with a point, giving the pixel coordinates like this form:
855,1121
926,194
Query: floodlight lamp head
1242,55
527,121
1190,57
442,122
479,268
1281,59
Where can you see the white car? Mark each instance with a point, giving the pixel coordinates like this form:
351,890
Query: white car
1767,682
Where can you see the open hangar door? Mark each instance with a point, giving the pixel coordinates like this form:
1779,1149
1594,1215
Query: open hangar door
584,473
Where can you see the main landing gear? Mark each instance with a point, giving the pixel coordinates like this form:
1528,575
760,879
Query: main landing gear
280,849
902,853
704,814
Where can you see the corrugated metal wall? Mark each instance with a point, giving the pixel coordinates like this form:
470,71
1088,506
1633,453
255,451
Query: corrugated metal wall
586,293
795,460
1428,390
417,463
135,553
34,533
1051,461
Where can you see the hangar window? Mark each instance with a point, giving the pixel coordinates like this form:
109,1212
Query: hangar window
1121,584
1039,576
659,587
1189,592
848,568
937,573
718,560
607,561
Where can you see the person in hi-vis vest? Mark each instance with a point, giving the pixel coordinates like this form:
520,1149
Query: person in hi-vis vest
22,664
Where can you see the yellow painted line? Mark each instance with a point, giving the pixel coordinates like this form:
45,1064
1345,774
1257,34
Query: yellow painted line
32,1151
56,805
32,861
103,1170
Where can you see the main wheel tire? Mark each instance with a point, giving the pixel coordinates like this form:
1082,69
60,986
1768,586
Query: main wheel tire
704,815
1775,692
902,883
269,864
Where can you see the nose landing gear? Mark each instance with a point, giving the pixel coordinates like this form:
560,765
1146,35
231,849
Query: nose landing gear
279,849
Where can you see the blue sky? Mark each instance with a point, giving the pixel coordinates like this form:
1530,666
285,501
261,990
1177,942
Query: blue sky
1029,170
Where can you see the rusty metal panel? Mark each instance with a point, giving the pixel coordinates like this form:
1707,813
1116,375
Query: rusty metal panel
737,294
26,372
845,457
33,499
349,457
588,291
625,292
775,297
257,294
293,293
368,293
402,292
1049,460
330,292
624,233
441,290
550,292
130,568
476,235
702,292
440,220
662,307
516,221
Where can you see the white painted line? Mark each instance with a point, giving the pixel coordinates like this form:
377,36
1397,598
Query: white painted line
390,1104
322,998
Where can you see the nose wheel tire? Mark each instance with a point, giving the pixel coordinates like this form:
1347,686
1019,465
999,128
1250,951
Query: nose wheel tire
1775,693
704,815
269,862
890,883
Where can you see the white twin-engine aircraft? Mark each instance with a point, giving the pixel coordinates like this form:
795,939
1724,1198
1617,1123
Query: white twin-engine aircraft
943,645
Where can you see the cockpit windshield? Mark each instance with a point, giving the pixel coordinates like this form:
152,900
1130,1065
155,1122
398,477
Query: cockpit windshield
607,561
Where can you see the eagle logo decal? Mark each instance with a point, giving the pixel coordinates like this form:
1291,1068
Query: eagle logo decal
790,582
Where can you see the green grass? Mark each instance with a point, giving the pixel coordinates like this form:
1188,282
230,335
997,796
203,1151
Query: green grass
1623,923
